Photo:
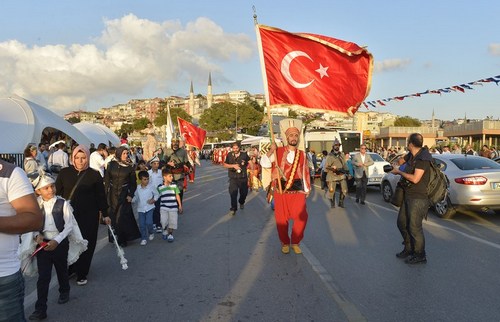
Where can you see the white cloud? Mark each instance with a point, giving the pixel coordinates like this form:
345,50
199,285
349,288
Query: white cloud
494,49
130,55
390,64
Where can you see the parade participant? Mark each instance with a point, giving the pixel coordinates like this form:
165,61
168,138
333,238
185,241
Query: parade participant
415,179
361,161
336,167
194,160
324,185
177,161
120,184
236,162
254,182
290,193
155,180
83,187
19,213
170,205
58,225
97,158
149,146
31,163
145,197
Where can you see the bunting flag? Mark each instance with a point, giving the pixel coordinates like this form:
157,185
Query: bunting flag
170,128
313,71
455,88
192,134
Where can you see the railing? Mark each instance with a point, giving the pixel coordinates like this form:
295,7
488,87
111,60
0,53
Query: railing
385,131
16,158
475,127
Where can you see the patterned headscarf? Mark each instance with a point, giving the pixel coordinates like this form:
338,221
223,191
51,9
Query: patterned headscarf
84,149
118,154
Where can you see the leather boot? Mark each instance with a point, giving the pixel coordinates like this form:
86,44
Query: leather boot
332,202
341,200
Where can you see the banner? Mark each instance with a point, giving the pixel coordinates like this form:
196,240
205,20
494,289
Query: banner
313,71
169,128
192,134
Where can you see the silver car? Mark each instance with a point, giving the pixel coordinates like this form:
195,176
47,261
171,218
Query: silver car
474,184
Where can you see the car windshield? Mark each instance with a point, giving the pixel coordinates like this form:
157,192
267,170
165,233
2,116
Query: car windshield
376,157
475,163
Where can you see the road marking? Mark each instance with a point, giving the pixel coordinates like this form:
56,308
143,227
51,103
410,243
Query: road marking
350,310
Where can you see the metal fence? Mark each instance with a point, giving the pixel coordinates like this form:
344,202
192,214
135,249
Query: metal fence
16,158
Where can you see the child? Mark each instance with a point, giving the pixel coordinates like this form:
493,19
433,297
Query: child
145,197
170,204
58,224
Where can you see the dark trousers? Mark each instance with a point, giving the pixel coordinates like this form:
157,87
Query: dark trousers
361,185
45,259
238,185
156,214
324,185
411,214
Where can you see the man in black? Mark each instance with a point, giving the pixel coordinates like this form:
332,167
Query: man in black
415,179
236,162
177,160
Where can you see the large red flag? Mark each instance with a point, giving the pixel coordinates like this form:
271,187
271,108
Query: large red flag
192,134
314,71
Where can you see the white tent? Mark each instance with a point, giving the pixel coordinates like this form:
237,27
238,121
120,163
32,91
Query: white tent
23,122
98,133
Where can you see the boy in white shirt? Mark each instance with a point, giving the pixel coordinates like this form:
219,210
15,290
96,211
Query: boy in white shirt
145,197
58,225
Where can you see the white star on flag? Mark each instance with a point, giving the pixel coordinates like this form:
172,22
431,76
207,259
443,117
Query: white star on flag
322,71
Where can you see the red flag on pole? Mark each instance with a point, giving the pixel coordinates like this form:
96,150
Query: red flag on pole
314,71
192,134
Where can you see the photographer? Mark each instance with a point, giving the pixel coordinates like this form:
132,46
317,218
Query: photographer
336,170
236,162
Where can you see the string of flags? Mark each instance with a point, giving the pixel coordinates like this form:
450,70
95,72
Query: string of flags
456,88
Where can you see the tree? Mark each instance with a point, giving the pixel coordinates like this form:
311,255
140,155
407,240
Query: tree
407,121
221,119
74,120
253,104
126,128
140,124
161,119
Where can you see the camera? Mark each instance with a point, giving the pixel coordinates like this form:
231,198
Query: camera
388,168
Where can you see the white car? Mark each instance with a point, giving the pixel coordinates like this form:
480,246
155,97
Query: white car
376,170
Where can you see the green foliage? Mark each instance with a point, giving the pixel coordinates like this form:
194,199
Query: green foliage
126,128
74,120
254,104
407,121
221,118
140,124
161,119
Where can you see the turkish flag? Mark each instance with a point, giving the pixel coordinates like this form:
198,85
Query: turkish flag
192,134
314,71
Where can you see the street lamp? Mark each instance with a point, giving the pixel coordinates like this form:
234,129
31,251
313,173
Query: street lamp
236,130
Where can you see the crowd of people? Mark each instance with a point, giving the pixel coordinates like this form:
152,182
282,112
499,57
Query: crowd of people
57,203
60,199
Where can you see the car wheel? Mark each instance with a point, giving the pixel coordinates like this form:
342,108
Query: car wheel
445,209
386,191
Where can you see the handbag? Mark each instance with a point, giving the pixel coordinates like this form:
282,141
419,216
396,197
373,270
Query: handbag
398,196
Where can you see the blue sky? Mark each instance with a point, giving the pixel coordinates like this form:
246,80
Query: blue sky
68,55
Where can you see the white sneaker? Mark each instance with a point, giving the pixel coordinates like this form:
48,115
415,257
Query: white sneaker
151,236
170,238
144,242
82,282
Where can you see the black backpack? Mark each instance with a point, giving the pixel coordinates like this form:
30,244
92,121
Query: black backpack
437,189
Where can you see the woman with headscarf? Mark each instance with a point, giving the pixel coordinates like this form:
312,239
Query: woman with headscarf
30,162
120,184
84,188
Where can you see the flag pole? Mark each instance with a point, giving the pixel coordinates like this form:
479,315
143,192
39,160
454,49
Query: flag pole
266,93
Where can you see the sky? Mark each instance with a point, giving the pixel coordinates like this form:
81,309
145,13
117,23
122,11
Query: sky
71,55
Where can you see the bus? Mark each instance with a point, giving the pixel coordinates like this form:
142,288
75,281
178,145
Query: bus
322,139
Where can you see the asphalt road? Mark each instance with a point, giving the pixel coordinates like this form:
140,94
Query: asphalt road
224,268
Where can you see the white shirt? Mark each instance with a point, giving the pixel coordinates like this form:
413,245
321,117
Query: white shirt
97,162
14,184
50,230
60,158
155,178
142,195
